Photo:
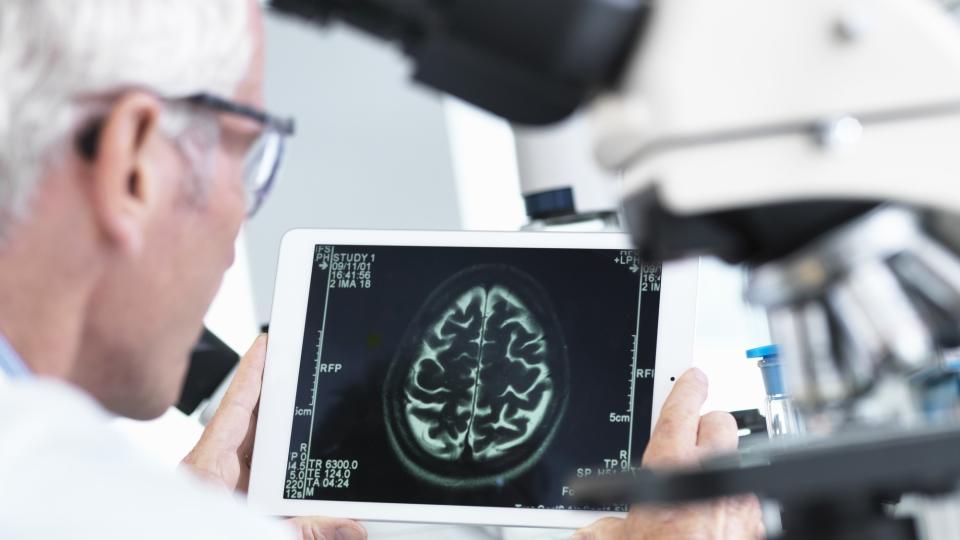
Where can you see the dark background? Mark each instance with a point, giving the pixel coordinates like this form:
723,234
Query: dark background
595,299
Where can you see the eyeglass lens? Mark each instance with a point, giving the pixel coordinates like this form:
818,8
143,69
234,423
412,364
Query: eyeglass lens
260,169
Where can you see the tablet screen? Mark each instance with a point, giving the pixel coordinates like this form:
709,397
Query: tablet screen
471,376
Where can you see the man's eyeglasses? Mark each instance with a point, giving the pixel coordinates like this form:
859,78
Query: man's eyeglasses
262,160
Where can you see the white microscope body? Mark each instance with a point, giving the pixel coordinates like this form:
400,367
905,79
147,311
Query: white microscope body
750,103
743,102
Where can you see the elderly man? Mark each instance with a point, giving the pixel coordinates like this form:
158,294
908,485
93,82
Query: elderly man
132,146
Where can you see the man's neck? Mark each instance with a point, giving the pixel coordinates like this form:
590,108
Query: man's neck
45,284
45,339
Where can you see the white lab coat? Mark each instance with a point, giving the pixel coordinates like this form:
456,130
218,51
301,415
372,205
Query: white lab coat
65,473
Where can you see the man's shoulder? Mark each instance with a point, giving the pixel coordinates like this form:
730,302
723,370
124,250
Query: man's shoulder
32,409
65,470
44,396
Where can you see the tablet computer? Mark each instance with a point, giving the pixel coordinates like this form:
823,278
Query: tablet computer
463,377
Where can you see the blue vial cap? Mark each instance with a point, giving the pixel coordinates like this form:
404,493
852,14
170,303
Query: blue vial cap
764,352
770,368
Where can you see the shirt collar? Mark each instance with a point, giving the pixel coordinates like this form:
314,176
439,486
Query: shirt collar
10,362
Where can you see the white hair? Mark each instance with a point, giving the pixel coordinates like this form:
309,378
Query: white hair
55,55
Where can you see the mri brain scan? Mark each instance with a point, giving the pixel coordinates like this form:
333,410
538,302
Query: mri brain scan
478,387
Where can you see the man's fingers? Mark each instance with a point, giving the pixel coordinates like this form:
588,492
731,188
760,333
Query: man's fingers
675,435
744,518
230,424
244,390
610,528
717,433
225,447
318,528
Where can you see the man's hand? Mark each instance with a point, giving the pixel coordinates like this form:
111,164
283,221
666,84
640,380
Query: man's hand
314,528
223,454
682,437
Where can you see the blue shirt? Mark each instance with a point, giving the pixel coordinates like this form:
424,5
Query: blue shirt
10,362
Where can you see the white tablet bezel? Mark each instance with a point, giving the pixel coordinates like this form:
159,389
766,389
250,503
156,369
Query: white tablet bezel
268,472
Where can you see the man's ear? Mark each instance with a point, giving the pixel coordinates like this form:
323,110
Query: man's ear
123,183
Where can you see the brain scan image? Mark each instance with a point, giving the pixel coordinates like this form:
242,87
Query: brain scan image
471,376
479,383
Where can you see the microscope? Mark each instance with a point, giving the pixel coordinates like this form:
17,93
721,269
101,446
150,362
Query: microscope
816,142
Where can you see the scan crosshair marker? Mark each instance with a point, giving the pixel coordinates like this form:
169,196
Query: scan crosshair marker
479,384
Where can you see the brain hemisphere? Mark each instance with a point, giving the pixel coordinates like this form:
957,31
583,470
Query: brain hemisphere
480,384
